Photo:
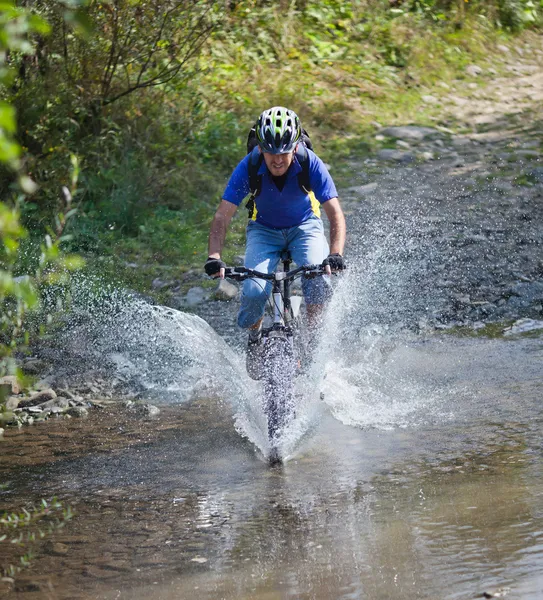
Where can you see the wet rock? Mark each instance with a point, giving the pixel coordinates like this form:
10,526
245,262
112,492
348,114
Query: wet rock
100,403
225,290
395,155
77,411
143,410
8,418
59,402
45,383
410,132
426,156
12,402
11,383
57,549
67,394
28,586
38,398
88,388
34,366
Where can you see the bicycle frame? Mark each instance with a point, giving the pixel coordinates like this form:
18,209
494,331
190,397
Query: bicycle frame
279,360
283,309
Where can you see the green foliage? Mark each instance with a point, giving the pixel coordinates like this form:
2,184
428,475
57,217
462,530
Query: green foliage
22,531
20,294
156,99
517,14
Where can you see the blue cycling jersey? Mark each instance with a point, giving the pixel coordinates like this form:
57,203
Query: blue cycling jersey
290,206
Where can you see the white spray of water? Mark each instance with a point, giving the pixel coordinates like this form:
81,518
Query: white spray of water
175,357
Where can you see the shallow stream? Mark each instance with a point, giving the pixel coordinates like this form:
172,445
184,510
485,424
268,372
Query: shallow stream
418,476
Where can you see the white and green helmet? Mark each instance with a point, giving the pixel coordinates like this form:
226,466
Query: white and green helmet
278,130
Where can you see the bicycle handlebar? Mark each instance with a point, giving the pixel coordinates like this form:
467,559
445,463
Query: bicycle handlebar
242,273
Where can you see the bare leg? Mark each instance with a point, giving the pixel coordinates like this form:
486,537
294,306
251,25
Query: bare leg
254,330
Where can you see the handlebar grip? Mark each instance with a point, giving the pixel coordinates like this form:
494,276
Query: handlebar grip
235,272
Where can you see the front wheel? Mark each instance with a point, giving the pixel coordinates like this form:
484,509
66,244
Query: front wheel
278,375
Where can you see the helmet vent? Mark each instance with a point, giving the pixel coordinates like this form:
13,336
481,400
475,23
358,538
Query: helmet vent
278,130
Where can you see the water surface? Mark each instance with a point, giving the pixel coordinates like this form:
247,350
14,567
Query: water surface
421,479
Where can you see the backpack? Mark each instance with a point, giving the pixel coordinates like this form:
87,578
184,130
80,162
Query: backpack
255,162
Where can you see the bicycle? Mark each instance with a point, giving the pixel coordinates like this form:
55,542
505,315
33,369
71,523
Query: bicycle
282,348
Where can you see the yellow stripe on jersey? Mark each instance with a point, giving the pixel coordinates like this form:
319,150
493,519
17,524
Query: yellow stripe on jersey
315,204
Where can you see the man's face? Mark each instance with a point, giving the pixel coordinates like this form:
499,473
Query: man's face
278,164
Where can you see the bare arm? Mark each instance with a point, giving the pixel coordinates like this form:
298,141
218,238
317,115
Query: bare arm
219,227
338,227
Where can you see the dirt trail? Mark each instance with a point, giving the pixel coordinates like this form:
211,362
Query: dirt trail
457,217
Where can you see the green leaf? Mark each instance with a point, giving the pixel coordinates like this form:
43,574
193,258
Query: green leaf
7,118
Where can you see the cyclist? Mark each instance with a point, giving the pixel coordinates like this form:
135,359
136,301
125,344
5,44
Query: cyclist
285,217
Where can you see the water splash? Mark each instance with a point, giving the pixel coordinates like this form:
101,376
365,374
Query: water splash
170,356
